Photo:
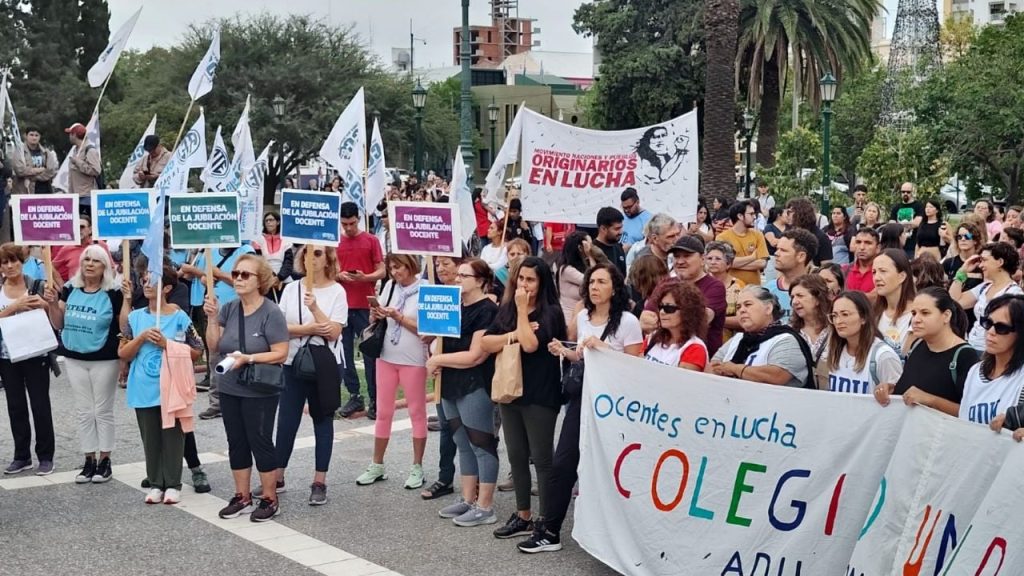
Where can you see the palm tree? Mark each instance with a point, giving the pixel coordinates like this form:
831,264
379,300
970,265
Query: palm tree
819,35
721,26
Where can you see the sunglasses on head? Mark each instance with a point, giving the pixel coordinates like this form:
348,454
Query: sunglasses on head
669,308
241,274
1000,328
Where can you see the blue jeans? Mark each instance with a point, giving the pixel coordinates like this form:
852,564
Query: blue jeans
447,449
358,320
289,415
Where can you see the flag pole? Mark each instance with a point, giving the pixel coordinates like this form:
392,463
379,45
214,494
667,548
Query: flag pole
184,123
504,227
160,281
103,91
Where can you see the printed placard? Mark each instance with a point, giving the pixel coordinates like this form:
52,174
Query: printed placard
425,228
440,311
121,214
310,217
201,220
46,219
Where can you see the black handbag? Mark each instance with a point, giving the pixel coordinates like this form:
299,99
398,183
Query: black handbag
572,376
304,362
262,378
372,343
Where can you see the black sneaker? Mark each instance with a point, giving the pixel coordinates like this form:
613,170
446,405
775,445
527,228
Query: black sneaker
203,385
266,510
103,472
542,540
371,412
236,507
317,494
354,404
515,526
88,470
209,414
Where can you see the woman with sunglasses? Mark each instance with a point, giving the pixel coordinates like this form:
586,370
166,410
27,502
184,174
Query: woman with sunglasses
994,384
682,326
248,412
997,262
858,358
967,243
811,302
940,359
894,288
314,316
88,318
143,343
765,351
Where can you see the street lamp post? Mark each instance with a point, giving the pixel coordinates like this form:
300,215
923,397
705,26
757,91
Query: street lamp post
492,116
278,104
419,98
748,127
466,96
828,95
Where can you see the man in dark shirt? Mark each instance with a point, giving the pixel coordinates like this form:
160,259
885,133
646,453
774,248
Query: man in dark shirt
910,213
609,232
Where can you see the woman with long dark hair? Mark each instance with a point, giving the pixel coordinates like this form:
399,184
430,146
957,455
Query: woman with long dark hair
531,315
572,262
703,224
840,233
858,358
929,234
892,236
998,262
802,215
894,288
994,384
834,279
604,322
939,361
682,327
812,304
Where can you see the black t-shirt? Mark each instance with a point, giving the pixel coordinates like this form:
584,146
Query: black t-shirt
542,381
928,234
929,371
824,247
456,383
615,254
905,213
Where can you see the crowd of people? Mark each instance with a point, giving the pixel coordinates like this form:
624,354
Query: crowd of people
857,301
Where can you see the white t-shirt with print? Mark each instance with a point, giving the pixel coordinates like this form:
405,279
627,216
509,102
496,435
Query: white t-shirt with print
985,399
895,333
976,338
846,377
672,354
628,333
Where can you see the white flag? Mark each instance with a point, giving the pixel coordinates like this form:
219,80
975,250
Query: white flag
376,177
462,195
92,130
202,79
15,129
3,100
191,148
62,181
198,159
250,197
127,179
218,165
101,70
509,154
241,141
345,149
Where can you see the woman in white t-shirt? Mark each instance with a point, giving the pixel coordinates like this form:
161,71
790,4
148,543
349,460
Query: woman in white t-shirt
998,262
495,253
894,288
858,358
994,384
318,317
682,325
402,362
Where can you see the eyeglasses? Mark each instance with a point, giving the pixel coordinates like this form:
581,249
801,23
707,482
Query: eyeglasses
669,308
1000,328
462,276
965,236
241,274
834,316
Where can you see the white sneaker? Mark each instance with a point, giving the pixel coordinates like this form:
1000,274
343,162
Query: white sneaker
172,496
155,496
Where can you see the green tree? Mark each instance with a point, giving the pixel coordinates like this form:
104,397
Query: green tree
822,36
895,157
974,108
957,35
718,176
652,59
855,114
796,169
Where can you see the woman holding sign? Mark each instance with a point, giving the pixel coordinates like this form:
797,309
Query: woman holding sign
30,376
402,362
87,317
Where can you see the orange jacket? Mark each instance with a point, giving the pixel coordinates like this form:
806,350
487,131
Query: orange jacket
177,386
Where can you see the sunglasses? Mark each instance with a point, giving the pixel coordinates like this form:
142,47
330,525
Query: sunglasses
1000,328
318,253
967,236
669,308
241,274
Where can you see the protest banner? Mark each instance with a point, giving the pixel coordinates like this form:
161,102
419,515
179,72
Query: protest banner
309,217
121,214
425,228
696,474
569,173
46,219
204,220
440,311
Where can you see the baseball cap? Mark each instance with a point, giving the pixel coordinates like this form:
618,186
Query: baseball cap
151,142
690,243
77,129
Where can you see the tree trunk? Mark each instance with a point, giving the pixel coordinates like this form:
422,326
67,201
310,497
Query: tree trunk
718,173
768,127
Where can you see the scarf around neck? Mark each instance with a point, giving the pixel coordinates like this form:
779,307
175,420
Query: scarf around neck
404,293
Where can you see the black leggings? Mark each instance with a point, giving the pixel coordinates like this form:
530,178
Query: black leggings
249,424
563,468
27,388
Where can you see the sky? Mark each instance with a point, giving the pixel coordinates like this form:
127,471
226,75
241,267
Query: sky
382,24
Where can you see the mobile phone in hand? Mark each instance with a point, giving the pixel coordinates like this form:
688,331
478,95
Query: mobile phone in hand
374,303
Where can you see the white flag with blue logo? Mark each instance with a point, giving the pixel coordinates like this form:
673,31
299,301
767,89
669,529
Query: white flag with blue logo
104,65
127,179
376,176
241,141
202,79
216,173
345,150
250,197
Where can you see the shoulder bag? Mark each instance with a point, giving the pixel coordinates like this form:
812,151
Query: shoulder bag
372,343
304,362
261,378
572,376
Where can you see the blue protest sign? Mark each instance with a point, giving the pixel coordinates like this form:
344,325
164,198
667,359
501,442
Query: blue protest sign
310,217
440,311
120,214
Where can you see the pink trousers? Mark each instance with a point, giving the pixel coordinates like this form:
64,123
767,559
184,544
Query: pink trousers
413,380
